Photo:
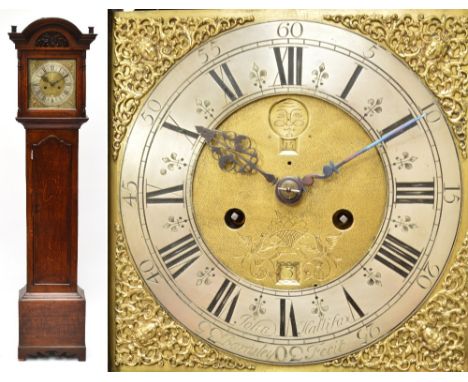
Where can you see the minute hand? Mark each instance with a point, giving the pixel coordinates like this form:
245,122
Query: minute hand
331,167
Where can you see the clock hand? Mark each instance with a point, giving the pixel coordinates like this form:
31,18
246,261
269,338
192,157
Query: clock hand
60,79
234,152
46,79
331,167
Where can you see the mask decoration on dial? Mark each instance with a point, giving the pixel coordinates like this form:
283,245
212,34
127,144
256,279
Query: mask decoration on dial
288,119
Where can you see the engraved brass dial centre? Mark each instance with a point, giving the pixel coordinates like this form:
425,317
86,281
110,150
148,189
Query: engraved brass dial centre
286,228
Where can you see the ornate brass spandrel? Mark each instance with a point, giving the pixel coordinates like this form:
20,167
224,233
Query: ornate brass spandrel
143,50
145,335
435,47
433,339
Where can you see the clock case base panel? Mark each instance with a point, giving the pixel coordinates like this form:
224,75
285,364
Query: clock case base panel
52,324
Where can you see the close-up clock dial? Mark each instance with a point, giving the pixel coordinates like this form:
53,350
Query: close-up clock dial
52,84
290,192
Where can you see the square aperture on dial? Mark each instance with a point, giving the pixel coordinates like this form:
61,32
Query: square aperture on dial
51,84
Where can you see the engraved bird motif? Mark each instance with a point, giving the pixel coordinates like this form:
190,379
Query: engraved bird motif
311,244
327,245
264,246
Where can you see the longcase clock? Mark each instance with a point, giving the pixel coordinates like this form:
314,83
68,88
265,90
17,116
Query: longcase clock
51,107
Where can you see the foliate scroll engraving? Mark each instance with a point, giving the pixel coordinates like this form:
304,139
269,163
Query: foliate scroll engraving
144,49
51,40
435,47
289,254
145,335
433,339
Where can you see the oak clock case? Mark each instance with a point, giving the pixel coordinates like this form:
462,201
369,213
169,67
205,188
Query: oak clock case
252,216
51,107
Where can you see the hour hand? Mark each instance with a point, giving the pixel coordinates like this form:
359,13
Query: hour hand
234,152
46,79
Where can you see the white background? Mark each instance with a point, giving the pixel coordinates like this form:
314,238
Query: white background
92,273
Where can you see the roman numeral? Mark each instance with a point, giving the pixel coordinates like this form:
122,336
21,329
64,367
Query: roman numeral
287,320
180,254
180,130
398,123
159,196
415,192
351,82
353,306
225,300
233,92
397,255
294,65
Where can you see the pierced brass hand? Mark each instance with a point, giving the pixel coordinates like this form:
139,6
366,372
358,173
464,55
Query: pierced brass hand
46,79
234,152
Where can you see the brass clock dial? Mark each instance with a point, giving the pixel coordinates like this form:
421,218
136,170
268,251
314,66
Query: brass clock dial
290,283
52,84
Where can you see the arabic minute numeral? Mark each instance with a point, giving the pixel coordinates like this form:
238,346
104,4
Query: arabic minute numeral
454,196
432,113
428,275
370,53
208,52
154,107
367,333
149,271
290,29
289,353
131,190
